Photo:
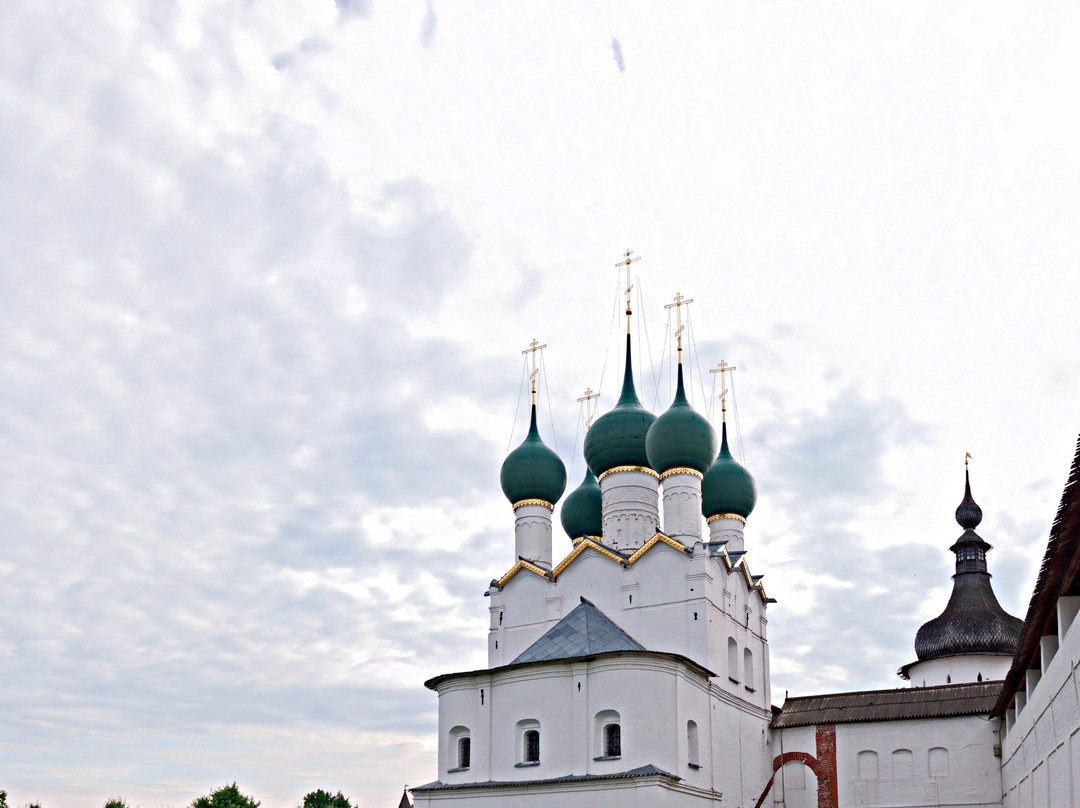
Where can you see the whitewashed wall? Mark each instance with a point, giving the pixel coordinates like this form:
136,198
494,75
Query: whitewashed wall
1041,749
958,669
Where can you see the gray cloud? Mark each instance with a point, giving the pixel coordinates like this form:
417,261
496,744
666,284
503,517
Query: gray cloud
353,9
616,52
428,26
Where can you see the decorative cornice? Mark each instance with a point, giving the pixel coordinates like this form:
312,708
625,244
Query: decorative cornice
657,539
617,469
682,470
734,516
523,565
587,542
542,502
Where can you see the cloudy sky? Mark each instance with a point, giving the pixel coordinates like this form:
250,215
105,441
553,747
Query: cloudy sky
266,271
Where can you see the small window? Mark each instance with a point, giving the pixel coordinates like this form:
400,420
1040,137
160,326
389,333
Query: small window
748,669
692,754
532,746
464,747
733,660
612,740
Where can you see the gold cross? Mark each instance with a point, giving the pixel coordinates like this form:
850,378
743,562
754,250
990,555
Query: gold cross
626,262
589,396
967,457
534,346
723,368
680,301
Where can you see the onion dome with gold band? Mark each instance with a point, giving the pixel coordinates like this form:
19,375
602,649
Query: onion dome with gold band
727,487
618,436
680,437
582,510
532,470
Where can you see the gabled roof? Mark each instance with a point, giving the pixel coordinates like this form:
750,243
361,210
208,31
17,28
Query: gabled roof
976,698
584,632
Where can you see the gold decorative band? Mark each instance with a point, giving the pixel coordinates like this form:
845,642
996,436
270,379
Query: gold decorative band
682,470
543,502
617,469
735,516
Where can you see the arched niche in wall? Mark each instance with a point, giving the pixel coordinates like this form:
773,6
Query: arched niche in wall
902,765
938,761
733,660
459,749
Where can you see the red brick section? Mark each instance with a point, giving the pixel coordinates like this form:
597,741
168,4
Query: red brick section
827,788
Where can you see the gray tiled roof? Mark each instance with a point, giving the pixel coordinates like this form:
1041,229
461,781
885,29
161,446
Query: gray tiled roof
976,698
647,770
583,632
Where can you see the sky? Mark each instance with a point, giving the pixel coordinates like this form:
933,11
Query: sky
267,270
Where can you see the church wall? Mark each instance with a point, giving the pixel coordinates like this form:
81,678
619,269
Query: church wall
1041,748
933,761
957,669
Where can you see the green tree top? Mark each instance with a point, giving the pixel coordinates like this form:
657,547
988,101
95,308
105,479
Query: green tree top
117,802
324,799
226,797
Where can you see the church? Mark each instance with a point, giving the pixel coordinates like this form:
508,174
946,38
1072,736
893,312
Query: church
635,671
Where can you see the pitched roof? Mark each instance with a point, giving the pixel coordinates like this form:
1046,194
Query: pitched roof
976,698
405,801
584,632
647,770
1059,575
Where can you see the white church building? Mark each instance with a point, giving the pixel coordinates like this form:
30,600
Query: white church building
634,672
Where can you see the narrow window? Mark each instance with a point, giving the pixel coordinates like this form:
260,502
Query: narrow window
748,669
692,744
532,746
612,740
733,660
464,749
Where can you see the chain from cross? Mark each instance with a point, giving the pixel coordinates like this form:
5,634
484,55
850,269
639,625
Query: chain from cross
626,262
680,301
589,396
534,346
723,368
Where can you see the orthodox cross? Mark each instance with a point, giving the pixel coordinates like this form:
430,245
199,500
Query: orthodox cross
534,346
680,301
589,396
723,368
967,457
626,262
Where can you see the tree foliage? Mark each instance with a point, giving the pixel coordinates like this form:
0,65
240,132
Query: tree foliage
324,799
117,802
3,799
226,797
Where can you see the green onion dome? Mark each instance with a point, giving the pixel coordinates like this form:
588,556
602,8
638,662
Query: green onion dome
532,470
618,436
727,487
581,510
681,438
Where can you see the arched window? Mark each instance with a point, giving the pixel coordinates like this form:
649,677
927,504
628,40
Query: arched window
528,742
902,765
459,753
939,762
868,765
748,669
607,730
733,660
612,740
692,754
464,746
531,743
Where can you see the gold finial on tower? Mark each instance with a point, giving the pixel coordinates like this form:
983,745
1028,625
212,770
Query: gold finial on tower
680,301
589,396
723,368
626,262
534,346
967,457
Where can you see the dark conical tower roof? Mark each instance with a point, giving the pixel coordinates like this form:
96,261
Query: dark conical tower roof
973,621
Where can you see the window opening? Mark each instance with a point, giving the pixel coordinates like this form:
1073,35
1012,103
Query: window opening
464,752
692,744
532,746
612,740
